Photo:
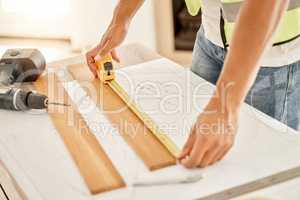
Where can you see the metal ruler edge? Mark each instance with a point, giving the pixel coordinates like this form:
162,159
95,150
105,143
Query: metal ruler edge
255,185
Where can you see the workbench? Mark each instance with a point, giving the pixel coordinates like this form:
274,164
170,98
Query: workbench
17,123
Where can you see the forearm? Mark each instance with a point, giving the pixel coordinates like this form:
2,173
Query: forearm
125,10
254,29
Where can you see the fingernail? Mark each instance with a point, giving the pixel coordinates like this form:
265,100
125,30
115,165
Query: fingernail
97,57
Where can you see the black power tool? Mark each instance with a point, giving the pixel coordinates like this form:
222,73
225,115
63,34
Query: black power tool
21,65
18,99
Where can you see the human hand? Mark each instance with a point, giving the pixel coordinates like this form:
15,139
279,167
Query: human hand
113,37
211,137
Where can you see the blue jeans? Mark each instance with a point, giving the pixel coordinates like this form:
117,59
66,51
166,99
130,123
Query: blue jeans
276,90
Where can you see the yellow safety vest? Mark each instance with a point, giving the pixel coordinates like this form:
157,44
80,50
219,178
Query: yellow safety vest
289,28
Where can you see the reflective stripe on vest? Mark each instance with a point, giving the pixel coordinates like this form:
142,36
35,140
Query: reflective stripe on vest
288,30
193,6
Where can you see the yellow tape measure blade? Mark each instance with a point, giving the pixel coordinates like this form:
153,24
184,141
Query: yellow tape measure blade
150,124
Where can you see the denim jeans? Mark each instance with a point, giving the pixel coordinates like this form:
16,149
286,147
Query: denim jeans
276,90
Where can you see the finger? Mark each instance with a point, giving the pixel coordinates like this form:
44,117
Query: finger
91,64
97,57
222,155
188,145
209,156
197,153
115,56
93,67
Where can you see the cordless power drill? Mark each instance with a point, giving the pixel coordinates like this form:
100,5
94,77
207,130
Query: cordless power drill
21,65
17,99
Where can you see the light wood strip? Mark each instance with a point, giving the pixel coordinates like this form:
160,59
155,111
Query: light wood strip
132,129
95,167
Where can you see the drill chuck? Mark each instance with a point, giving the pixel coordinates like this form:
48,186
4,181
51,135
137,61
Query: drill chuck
17,99
37,101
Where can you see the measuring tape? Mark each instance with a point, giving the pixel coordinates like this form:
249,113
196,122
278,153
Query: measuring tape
106,74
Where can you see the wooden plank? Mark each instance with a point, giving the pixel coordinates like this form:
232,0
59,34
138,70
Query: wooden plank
148,122
95,167
132,129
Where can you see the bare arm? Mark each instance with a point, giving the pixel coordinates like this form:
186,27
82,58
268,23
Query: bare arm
125,10
115,33
256,24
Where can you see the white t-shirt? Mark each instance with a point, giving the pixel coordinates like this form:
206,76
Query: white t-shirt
281,55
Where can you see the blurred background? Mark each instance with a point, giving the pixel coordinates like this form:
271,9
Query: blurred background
63,28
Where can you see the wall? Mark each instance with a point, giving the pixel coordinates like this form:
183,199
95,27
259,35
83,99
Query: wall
35,18
93,18
84,25
165,33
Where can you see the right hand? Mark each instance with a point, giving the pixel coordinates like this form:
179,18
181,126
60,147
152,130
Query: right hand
113,37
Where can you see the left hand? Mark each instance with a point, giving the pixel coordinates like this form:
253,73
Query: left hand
210,138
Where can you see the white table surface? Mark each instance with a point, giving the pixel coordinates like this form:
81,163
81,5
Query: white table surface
34,153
